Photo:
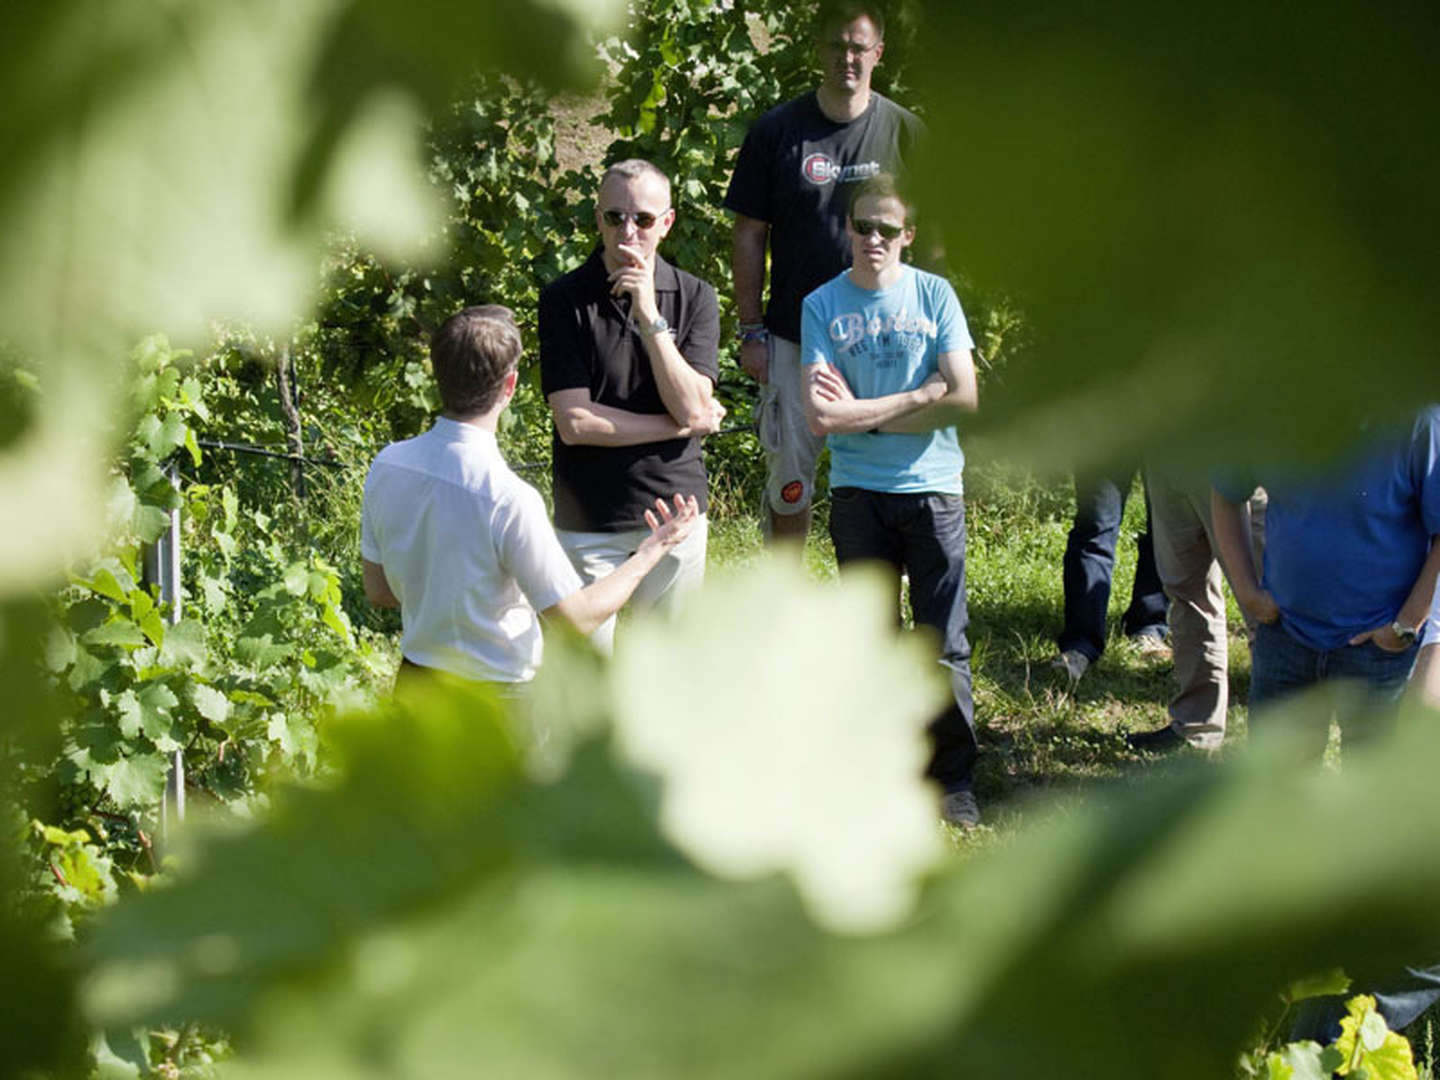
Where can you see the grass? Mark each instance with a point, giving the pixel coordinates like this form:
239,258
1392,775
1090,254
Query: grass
1038,734
1039,737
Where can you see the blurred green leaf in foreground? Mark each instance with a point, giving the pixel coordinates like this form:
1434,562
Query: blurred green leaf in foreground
1221,221
435,912
168,164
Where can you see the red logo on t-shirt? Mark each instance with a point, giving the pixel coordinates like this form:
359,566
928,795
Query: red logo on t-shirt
793,491
819,169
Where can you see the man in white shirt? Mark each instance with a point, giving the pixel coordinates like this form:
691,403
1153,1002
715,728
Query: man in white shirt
464,547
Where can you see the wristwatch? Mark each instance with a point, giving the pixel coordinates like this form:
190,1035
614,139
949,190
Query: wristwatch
1407,634
659,326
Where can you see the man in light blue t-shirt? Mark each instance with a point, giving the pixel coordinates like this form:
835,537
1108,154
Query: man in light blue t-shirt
887,356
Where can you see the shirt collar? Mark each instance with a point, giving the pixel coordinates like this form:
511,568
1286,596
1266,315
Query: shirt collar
463,432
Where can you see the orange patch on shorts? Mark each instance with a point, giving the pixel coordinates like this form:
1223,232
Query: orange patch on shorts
793,492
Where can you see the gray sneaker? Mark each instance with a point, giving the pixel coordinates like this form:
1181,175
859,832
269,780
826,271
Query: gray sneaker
1072,663
960,809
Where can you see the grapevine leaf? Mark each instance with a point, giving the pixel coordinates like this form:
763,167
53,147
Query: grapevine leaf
184,645
336,620
262,651
192,447
318,585
210,703
157,702
119,631
60,648
1301,1061
1327,984
122,1054
137,779
128,714
296,579
153,627
149,522
104,582
168,437
1367,1046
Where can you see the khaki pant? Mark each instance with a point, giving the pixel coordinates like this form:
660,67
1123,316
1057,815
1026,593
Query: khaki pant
1187,558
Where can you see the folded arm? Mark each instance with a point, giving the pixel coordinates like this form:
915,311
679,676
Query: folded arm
962,395
584,422
832,409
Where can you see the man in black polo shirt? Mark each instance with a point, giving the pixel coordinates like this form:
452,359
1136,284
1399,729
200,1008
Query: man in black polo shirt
628,364
790,191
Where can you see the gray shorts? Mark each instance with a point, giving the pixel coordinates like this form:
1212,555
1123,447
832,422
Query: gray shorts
791,451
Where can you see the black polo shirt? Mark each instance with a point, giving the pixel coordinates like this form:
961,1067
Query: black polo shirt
588,340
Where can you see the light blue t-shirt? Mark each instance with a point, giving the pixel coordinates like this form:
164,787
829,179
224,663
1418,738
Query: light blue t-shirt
884,342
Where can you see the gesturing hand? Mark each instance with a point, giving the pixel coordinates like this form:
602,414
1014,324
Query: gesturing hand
668,529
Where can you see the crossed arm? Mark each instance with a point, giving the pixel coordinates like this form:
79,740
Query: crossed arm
832,408
582,421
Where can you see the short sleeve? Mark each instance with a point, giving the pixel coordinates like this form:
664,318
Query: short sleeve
528,550
701,346
953,331
751,191
562,352
814,342
369,536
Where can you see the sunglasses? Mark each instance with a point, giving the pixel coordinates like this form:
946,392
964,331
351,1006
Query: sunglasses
615,218
847,48
884,228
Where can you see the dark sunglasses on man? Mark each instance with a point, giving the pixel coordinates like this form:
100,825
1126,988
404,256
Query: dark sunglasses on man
615,218
884,228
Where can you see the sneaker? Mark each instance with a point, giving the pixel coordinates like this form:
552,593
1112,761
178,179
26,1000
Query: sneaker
1072,663
1152,646
960,809
1160,741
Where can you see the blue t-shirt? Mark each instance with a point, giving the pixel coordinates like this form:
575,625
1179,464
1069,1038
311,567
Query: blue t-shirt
884,342
1343,550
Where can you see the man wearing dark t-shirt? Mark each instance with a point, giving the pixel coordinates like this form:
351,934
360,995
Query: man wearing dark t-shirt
628,364
790,192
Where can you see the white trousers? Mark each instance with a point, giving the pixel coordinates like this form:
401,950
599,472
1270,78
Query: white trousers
680,572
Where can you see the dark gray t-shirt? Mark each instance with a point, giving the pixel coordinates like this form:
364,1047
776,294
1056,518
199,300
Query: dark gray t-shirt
795,172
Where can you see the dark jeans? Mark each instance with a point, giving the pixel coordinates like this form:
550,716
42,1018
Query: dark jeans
1281,666
1090,562
923,535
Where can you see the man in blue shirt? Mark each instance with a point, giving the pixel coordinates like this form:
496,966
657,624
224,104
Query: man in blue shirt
888,364
1350,566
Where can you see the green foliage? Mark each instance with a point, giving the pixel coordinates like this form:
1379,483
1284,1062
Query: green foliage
1207,264
604,947
1365,1048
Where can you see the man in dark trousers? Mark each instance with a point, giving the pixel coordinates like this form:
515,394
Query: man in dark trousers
790,192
